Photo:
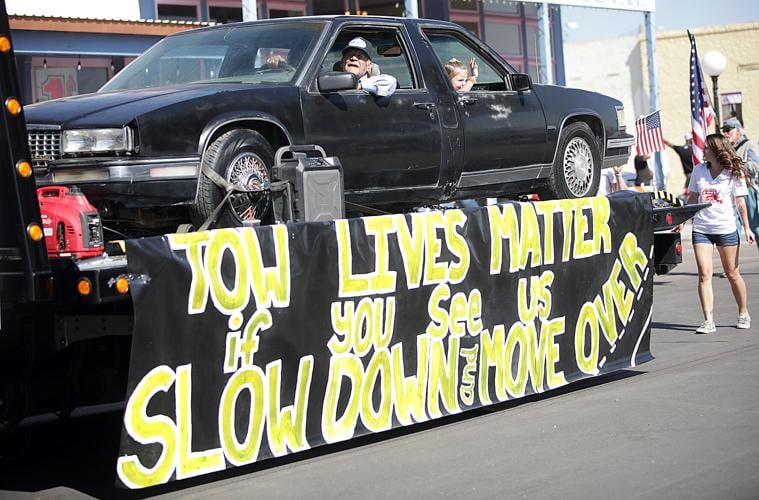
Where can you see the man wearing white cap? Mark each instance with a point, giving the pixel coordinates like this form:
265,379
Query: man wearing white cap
357,60
732,128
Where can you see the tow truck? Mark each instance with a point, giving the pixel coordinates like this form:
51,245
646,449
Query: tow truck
66,311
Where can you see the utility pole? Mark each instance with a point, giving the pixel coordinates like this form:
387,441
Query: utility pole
653,90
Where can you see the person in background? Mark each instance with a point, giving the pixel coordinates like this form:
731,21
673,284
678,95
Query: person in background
458,74
720,181
611,181
643,174
645,164
686,157
356,60
275,61
748,151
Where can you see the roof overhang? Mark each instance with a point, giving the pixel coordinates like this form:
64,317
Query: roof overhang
106,26
48,35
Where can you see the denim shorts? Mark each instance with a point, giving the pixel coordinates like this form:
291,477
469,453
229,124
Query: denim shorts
721,240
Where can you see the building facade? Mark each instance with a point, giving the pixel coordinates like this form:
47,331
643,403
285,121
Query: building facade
74,47
618,67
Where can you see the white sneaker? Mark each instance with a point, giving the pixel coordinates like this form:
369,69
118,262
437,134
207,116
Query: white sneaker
707,327
744,322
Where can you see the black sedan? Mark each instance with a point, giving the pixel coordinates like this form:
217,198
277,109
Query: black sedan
223,99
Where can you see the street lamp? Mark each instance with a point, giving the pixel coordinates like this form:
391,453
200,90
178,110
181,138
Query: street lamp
714,64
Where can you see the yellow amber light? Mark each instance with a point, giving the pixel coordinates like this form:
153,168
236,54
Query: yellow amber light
122,284
13,106
34,231
5,44
84,286
23,168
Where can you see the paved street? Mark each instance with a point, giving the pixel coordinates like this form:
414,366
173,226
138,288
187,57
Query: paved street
685,425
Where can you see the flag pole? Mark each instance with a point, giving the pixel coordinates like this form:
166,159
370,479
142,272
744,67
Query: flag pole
653,89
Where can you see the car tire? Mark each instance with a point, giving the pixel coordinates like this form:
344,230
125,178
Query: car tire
577,166
241,157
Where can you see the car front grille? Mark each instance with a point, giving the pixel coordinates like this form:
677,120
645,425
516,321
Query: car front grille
44,146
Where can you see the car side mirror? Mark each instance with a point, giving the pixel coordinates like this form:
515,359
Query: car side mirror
336,80
520,82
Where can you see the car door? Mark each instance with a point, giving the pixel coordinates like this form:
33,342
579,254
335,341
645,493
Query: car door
383,143
504,130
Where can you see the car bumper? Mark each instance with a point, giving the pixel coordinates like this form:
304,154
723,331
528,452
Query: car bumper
618,150
131,182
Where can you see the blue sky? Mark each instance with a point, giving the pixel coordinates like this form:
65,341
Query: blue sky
670,15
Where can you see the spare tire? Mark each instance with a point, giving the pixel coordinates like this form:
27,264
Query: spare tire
241,157
577,166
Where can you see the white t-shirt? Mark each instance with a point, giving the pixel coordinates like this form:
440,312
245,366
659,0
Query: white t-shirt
720,192
607,181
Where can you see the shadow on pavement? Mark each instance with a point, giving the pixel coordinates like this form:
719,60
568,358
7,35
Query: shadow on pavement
717,274
676,327
80,454
680,273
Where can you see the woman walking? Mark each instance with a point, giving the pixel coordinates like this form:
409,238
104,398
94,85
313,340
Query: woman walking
721,181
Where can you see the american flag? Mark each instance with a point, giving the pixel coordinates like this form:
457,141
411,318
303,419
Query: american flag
701,110
648,134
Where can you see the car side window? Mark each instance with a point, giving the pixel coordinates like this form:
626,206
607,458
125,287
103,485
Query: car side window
389,55
448,46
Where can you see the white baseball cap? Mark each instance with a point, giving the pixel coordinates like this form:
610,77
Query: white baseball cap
361,44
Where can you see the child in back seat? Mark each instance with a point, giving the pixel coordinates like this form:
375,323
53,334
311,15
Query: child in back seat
459,76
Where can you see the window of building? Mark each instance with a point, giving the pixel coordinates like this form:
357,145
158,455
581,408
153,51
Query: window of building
471,27
501,7
91,79
224,15
504,37
464,5
533,70
731,105
530,9
54,77
330,7
177,12
277,13
517,65
532,40
381,7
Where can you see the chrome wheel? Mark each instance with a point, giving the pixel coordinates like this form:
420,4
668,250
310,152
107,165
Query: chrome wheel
249,170
578,166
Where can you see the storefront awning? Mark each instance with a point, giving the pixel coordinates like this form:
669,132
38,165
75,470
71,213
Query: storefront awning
80,44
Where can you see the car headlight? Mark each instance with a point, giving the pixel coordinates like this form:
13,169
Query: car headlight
97,140
621,124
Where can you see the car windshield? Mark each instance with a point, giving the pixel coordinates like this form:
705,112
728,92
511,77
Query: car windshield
270,53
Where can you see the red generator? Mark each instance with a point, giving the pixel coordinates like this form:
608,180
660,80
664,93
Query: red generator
71,224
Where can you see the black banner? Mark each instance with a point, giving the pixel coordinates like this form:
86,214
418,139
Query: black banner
253,343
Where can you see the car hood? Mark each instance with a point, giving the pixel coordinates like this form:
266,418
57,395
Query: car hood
116,109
